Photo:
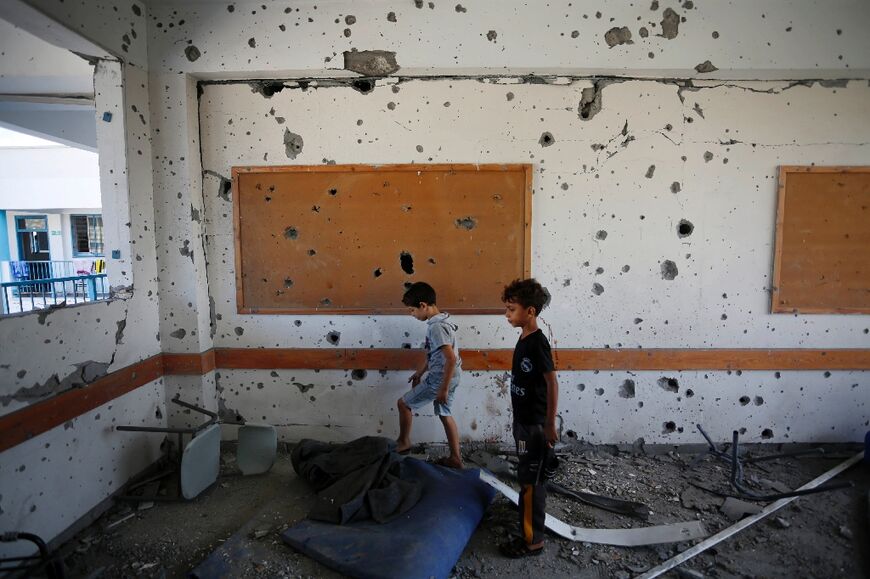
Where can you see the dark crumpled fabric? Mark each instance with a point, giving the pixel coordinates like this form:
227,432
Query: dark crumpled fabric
355,481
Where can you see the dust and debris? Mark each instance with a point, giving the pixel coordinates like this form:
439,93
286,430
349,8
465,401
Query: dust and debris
670,24
375,63
617,36
669,270
705,67
546,139
292,144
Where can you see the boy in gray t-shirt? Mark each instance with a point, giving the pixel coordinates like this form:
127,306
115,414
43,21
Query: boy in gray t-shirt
442,369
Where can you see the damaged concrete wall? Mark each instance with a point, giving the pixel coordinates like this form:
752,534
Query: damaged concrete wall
54,479
653,226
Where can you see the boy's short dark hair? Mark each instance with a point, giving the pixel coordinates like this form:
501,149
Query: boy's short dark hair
528,293
419,292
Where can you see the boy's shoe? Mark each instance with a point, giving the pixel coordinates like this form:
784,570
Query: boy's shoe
518,549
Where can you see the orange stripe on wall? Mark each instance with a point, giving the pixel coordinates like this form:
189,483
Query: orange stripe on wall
23,424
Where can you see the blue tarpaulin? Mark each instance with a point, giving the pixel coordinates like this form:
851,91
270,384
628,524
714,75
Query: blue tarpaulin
422,543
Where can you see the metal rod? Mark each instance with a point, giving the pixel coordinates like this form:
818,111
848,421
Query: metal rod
742,524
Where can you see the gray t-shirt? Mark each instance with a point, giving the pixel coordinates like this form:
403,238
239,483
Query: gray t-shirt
440,332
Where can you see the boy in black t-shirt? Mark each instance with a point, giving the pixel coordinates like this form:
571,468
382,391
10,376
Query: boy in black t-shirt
534,397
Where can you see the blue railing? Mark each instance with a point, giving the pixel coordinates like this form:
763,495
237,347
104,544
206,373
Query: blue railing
34,294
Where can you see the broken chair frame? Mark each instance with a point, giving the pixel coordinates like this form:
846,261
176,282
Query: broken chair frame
173,468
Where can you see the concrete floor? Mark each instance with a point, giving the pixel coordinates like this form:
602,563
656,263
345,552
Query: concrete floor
817,536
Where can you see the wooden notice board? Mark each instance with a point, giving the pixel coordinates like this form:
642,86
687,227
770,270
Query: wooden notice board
350,238
822,256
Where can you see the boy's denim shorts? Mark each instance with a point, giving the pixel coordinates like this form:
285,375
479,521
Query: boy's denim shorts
427,390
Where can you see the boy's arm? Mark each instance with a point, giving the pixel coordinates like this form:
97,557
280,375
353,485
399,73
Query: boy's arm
418,375
552,404
449,365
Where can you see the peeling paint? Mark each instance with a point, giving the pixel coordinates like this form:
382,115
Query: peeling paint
375,63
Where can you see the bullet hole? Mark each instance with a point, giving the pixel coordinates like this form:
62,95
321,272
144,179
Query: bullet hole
231,8
350,19
288,283
575,34
827,374
601,235
363,85
626,389
705,67
643,32
571,434
708,156
591,100
239,330
767,434
224,189
179,333
297,323
358,374
581,387
107,117
546,139
617,36
418,3
597,289
326,302
668,427
192,53
626,268
744,400
675,187
136,10
670,24
669,270
759,400
391,16
185,250
311,252
293,144
267,88
491,35
468,223
777,375
252,42
369,63
291,233
669,384
407,262
690,393
685,228
333,338
460,9
303,387
509,96
654,5
419,148
650,172
637,320
599,391
599,270
378,272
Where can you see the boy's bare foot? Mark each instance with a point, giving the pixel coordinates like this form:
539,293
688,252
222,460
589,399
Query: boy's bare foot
450,462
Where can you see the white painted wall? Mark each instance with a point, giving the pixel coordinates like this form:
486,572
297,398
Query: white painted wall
49,178
177,221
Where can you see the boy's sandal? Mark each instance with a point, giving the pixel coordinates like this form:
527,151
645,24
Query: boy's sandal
518,548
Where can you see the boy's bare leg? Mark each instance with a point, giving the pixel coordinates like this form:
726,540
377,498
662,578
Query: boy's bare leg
405,420
452,433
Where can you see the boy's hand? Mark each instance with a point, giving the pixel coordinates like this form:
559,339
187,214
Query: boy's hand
550,433
414,379
442,396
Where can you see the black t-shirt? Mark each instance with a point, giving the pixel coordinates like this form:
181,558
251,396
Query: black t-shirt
532,359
